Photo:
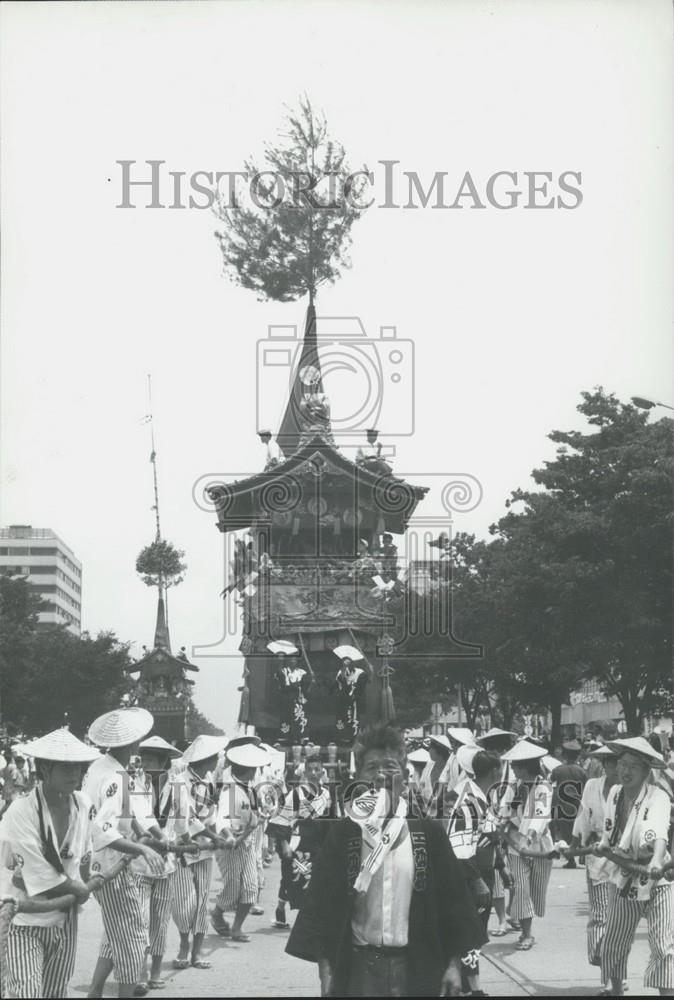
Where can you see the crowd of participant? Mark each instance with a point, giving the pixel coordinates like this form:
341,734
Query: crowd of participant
393,867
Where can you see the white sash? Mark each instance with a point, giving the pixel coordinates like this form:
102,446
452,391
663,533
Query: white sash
380,832
629,845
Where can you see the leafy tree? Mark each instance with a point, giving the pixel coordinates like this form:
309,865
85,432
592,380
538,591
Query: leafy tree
78,676
575,584
435,663
161,564
588,561
19,609
197,724
296,234
536,607
47,672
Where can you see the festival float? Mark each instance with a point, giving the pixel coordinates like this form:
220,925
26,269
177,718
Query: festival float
316,574
314,567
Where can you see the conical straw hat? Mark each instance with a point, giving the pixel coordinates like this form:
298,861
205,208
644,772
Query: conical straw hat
641,747
240,741
602,752
159,744
465,755
525,751
204,747
62,746
248,755
461,735
440,740
550,763
496,734
121,727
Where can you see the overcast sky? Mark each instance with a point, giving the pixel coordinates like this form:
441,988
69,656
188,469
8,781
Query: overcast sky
512,313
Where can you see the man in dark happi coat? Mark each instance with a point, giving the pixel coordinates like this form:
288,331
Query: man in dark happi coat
387,911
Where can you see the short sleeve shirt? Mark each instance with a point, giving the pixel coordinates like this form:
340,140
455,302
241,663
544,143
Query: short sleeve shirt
22,856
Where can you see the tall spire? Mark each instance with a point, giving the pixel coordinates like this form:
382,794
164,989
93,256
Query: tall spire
162,640
293,423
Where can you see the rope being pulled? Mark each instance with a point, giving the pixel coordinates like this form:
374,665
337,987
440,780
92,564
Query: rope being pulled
634,866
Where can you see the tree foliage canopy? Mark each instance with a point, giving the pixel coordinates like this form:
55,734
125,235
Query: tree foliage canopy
576,583
48,672
197,724
161,564
296,234
601,533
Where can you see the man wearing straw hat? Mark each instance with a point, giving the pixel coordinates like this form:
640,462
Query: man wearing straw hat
237,821
499,741
193,815
439,751
587,830
636,826
458,737
472,830
108,786
44,839
299,829
156,891
527,809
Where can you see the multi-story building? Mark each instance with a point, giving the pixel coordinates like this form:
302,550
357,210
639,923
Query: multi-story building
51,568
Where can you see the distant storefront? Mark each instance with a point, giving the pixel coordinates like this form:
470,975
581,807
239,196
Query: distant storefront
589,709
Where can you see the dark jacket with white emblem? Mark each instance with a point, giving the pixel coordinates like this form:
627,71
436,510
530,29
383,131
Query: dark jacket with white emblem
443,922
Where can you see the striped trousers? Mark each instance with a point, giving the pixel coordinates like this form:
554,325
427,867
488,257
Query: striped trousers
623,918
191,885
238,868
259,854
531,876
499,888
124,929
598,896
41,960
156,896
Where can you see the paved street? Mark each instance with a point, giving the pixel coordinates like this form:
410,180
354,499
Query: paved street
557,965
